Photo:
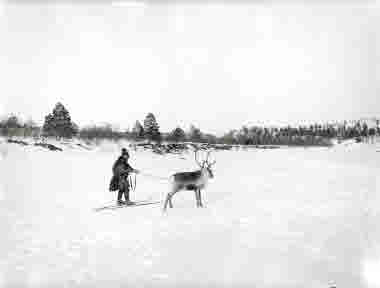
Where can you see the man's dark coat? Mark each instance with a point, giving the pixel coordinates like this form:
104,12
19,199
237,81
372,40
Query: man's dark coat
120,170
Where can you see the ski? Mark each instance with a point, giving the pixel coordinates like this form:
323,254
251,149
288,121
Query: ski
118,206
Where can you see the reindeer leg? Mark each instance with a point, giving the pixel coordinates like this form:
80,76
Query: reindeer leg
166,201
170,202
196,197
200,198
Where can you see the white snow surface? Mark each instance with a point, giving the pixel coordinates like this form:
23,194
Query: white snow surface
290,217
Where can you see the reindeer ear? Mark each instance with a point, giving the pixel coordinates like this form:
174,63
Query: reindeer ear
208,154
196,159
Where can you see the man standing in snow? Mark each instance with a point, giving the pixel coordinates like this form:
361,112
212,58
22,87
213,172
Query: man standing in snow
119,181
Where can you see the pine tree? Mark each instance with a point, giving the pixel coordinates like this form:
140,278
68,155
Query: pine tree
138,130
151,128
47,128
195,134
59,123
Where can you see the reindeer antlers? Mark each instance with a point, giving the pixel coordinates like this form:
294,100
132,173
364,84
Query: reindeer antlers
204,161
209,164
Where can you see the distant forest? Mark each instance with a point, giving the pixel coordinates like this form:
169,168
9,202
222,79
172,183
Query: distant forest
59,124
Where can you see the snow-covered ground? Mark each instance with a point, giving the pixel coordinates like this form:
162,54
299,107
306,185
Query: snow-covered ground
273,218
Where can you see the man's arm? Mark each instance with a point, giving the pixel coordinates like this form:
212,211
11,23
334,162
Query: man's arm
133,170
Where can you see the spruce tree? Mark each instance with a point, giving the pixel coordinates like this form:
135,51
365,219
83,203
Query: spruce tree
47,128
151,128
138,130
59,123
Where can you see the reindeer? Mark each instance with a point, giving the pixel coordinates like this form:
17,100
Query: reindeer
191,181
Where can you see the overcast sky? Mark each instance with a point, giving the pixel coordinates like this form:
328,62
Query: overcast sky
215,64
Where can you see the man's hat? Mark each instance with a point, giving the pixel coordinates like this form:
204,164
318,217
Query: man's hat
124,152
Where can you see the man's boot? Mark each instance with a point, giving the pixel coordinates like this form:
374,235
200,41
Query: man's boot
119,196
126,196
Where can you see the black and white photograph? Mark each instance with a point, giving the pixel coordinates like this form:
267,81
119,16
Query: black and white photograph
190,143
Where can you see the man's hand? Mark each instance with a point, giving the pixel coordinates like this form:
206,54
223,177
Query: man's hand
136,171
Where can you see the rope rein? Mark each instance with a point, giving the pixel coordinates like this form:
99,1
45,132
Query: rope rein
154,176
133,180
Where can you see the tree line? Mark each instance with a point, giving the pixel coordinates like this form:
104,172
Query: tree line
59,124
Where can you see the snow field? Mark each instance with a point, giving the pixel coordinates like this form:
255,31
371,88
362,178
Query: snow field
289,217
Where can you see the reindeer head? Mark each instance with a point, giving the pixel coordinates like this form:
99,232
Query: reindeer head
205,165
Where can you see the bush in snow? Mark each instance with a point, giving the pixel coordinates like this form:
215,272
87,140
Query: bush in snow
10,126
177,135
